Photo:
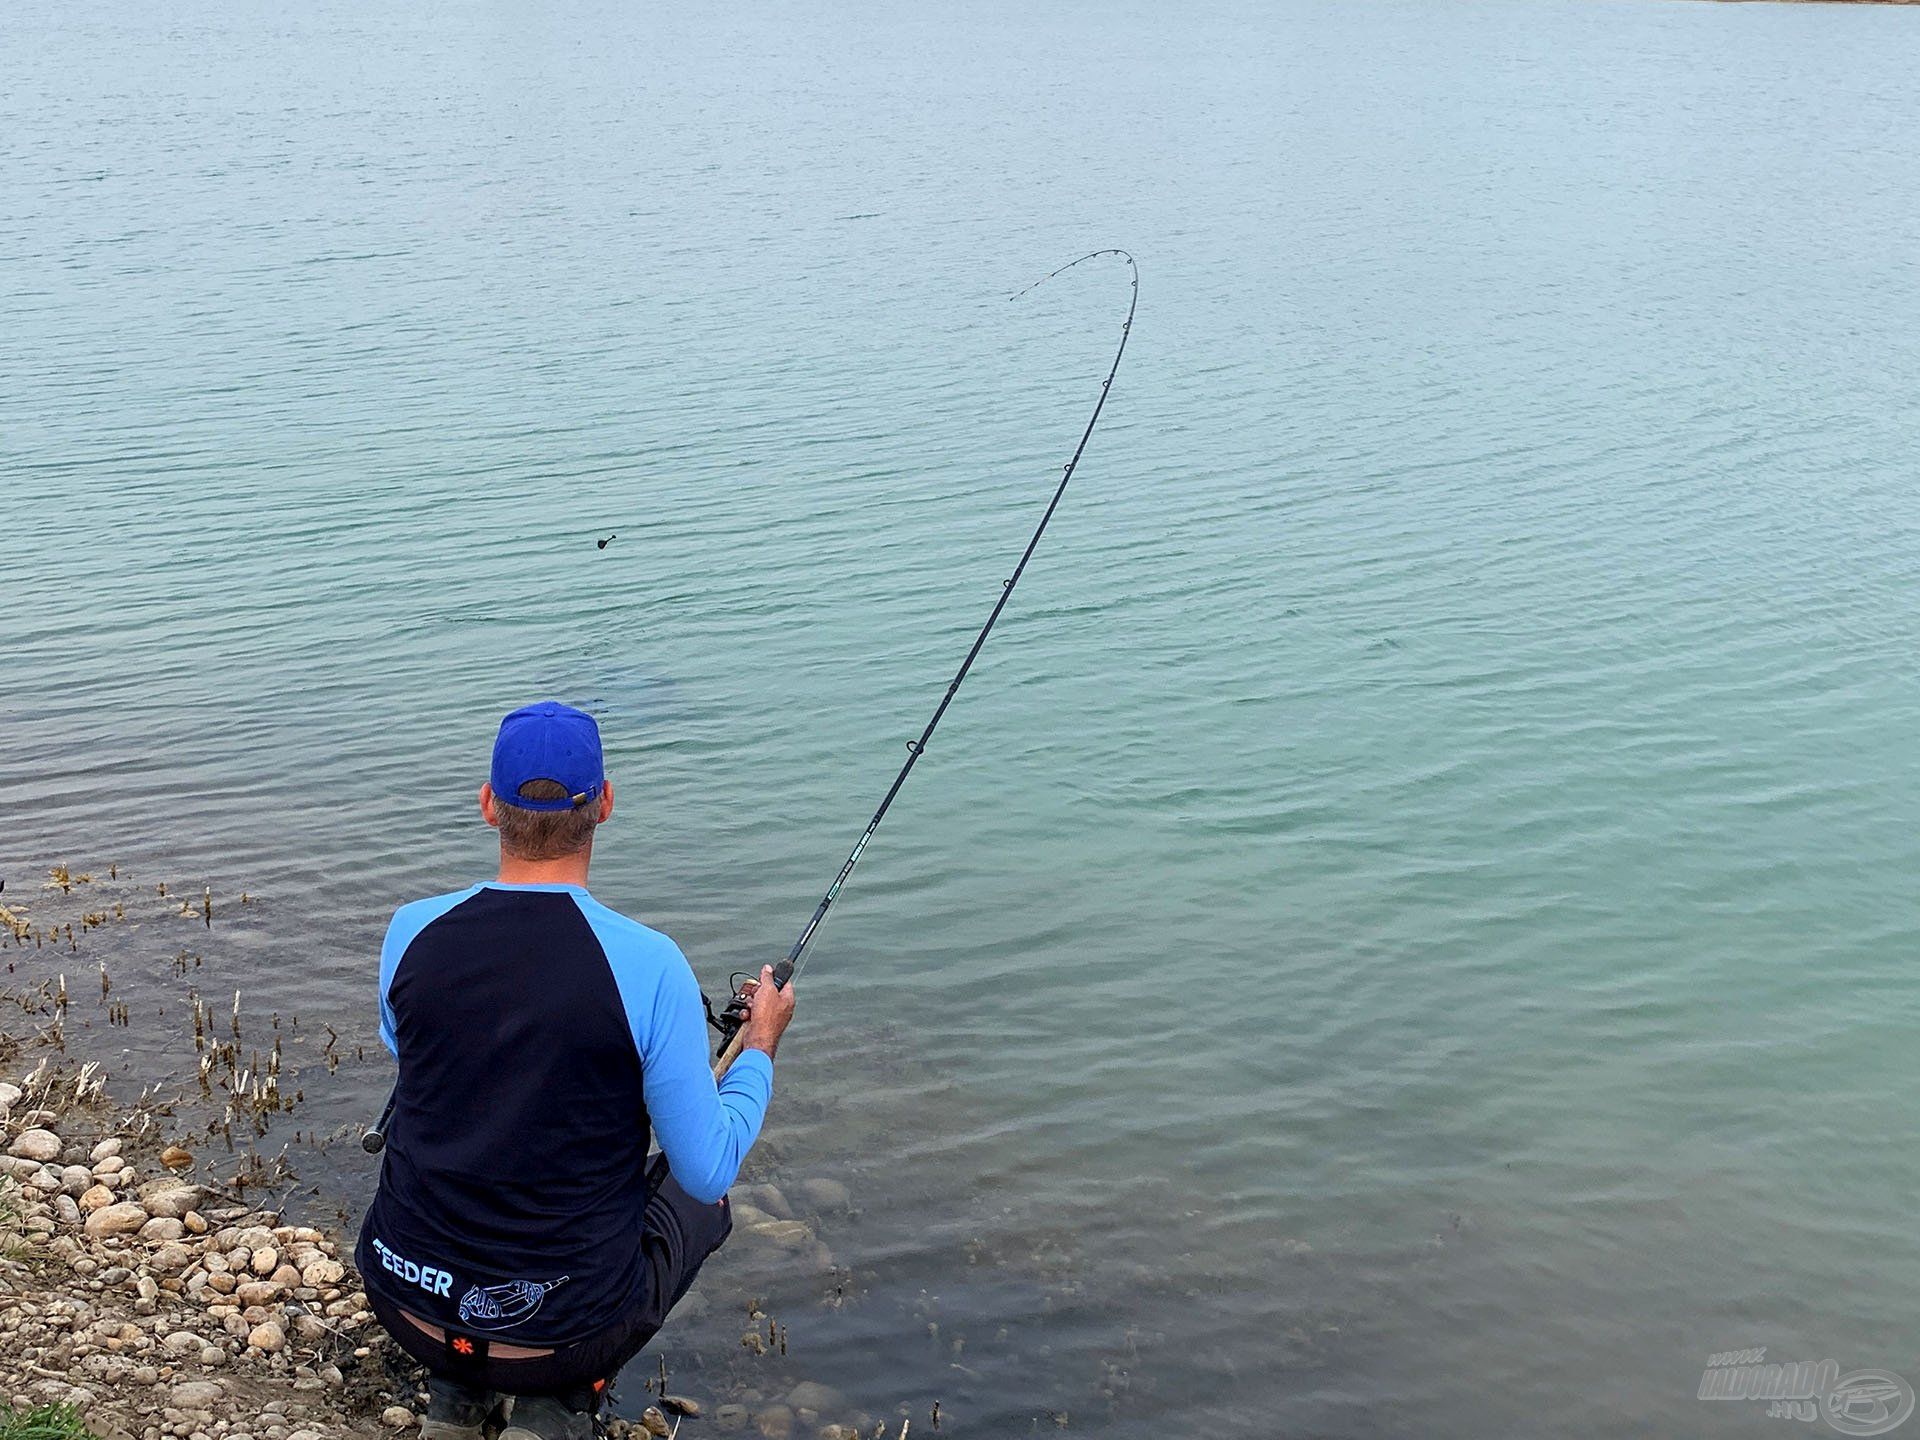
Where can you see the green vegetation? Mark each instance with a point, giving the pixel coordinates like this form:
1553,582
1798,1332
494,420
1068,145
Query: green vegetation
43,1422
13,1243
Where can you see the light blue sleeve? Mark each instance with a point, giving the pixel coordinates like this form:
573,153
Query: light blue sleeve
407,923
705,1129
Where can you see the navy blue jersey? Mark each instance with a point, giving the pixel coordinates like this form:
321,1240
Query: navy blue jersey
541,1039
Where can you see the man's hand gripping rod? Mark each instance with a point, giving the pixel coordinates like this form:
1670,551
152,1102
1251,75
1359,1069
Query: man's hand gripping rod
734,1015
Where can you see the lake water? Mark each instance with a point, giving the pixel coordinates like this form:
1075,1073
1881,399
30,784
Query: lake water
1407,930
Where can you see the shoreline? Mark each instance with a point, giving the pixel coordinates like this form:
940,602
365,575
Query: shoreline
154,1303
161,1277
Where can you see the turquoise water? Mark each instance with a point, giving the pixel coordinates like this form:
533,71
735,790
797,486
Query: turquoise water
1405,933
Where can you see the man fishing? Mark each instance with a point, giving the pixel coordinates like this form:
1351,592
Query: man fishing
519,1244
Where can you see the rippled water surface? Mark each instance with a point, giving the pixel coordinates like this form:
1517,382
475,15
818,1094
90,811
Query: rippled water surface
1408,930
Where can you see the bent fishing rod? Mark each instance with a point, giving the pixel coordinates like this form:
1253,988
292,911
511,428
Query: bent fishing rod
729,1020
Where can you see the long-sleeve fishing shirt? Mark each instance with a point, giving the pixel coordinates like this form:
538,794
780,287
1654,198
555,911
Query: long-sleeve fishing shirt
541,1038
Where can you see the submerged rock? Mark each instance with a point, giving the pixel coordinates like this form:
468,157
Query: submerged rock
767,1198
812,1395
792,1235
827,1196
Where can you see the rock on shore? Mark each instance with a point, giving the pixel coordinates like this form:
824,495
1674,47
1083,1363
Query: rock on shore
159,1309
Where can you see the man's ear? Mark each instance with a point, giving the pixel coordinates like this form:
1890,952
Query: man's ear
487,811
606,801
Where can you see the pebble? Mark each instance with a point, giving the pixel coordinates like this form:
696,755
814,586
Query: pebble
197,1394
681,1405
654,1421
121,1219
729,1418
9,1095
396,1417
41,1145
107,1148
170,1199
322,1273
98,1197
268,1337
176,1158
170,1259
775,1422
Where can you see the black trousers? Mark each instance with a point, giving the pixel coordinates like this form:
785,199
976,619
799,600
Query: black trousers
678,1235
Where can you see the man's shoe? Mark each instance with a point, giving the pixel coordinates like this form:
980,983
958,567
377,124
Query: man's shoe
454,1411
541,1417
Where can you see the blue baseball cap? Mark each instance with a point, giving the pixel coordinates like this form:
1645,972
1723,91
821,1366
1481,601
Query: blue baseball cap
548,741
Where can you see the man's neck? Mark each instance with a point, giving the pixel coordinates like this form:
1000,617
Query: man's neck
569,870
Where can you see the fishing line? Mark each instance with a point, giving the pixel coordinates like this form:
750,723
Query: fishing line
728,1022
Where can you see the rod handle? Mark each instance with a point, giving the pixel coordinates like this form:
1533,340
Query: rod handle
375,1138
723,1062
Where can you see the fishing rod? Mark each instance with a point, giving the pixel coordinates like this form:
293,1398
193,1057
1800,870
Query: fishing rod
729,1021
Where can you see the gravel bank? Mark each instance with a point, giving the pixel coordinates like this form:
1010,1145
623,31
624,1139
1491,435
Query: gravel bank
157,1305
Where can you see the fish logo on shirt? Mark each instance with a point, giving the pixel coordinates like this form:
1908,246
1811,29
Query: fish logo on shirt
501,1307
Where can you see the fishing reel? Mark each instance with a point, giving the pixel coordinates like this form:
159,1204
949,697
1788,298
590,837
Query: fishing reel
730,1017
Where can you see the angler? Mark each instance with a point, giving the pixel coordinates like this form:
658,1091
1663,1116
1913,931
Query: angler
520,1244
539,1036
